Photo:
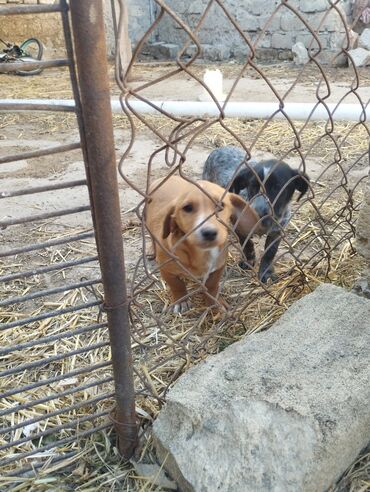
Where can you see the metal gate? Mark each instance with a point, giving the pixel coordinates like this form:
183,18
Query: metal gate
60,333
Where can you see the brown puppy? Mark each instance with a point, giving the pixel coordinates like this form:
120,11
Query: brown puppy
189,232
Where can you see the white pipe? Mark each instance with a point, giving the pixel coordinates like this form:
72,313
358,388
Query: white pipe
250,110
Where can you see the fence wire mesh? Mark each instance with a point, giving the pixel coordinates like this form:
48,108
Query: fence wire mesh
314,245
57,384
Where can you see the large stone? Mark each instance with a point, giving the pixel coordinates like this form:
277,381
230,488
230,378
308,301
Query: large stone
283,410
360,57
300,54
364,40
159,50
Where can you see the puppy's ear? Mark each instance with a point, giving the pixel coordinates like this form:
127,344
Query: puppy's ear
169,223
240,181
301,182
243,214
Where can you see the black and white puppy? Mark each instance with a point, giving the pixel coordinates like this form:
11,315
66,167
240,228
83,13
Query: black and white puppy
269,187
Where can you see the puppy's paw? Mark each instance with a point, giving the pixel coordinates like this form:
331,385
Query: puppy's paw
150,253
268,275
246,265
180,307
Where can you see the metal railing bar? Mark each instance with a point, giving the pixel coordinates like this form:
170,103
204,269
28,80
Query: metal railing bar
48,215
47,244
67,440
9,67
31,469
39,153
41,189
48,292
51,338
11,106
49,314
55,396
30,9
53,358
52,268
75,406
55,379
52,430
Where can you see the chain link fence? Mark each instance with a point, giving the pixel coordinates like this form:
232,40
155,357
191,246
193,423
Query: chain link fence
317,243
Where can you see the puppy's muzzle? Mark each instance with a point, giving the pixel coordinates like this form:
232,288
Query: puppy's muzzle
208,234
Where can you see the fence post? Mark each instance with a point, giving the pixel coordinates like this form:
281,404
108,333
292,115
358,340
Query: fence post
92,67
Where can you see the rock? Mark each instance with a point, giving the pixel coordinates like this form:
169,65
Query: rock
364,40
353,39
283,410
162,51
360,57
300,54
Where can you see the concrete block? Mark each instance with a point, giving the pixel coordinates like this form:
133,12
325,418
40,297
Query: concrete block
309,6
290,22
252,23
310,42
284,410
284,55
196,7
256,7
29,1
364,40
332,58
159,50
273,22
360,57
216,52
330,22
265,41
282,41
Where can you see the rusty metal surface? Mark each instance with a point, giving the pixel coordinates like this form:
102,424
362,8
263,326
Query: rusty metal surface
92,66
29,9
9,106
58,316
34,65
39,153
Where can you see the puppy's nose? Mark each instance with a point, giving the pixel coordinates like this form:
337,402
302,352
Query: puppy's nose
209,234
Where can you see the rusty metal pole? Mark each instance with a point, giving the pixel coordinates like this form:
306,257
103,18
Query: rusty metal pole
90,50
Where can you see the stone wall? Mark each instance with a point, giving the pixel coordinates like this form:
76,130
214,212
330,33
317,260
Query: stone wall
219,38
222,41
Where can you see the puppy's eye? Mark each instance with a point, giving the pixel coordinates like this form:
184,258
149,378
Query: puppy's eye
188,208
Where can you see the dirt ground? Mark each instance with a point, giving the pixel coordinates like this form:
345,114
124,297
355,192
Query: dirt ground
24,132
